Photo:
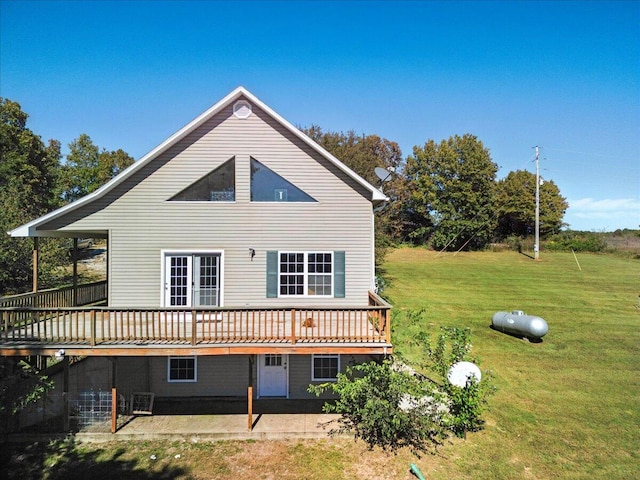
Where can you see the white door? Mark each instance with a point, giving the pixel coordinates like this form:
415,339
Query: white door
192,281
272,375
178,284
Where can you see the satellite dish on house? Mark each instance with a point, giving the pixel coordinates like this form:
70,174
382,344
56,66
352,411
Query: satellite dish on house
460,372
383,174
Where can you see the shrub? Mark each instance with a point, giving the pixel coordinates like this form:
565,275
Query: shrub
393,407
577,241
388,407
453,345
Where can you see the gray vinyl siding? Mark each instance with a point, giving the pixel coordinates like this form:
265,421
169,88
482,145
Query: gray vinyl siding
218,376
300,373
142,222
226,376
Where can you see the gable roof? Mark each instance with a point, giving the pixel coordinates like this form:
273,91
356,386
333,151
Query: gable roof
30,229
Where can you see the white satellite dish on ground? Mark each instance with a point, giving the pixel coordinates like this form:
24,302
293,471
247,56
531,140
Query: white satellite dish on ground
460,372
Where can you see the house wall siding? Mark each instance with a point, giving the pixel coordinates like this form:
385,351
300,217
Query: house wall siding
143,222
219,376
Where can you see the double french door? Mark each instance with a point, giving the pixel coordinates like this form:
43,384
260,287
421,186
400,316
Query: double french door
192,280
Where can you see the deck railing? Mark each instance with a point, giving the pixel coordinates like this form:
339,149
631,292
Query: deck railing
85,294
130,326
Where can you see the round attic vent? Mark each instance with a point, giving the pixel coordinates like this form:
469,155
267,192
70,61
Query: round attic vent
242,109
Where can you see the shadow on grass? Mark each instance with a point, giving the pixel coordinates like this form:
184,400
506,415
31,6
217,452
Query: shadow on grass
63,459
520,337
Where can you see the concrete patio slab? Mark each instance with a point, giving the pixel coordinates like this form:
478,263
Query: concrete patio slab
196,428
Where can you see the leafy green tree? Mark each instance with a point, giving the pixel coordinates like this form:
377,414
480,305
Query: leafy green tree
452,193
387,407
87,168
28,172
26,161
515,205
362,154
20,386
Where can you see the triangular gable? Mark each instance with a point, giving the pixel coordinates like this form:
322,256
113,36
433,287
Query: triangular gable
31,229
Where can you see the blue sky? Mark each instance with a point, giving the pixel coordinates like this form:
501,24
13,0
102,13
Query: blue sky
561,75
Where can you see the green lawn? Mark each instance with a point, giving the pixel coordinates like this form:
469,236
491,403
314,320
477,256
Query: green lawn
566,407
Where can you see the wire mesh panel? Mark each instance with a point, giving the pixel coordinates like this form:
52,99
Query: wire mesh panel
92,408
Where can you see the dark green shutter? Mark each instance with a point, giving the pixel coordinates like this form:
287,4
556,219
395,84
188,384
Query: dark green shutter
338,275
272,274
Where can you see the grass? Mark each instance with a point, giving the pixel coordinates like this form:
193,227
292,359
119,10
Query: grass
566,407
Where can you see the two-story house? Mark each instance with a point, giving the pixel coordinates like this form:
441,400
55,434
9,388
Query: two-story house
240,254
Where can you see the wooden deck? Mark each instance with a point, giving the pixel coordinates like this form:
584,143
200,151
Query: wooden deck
154,331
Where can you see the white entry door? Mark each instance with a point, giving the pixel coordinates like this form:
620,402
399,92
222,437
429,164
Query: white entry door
273,378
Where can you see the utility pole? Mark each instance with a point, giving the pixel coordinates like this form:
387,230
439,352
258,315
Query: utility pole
536,247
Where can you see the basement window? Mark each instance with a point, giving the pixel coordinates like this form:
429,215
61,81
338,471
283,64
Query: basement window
325,367
182,369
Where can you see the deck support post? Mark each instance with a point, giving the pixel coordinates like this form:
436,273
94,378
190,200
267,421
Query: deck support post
250,394
74,292
65,391
250,408
114,395
36,255
114,409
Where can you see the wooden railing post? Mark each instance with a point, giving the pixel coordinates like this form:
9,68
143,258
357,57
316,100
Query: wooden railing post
387,324
293,326
93,327
194,323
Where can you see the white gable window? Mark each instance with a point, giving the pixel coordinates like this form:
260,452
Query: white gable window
182,369
325,367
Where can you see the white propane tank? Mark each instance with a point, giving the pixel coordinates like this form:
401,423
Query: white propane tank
518,323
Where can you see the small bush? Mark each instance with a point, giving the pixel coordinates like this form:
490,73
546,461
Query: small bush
577,241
